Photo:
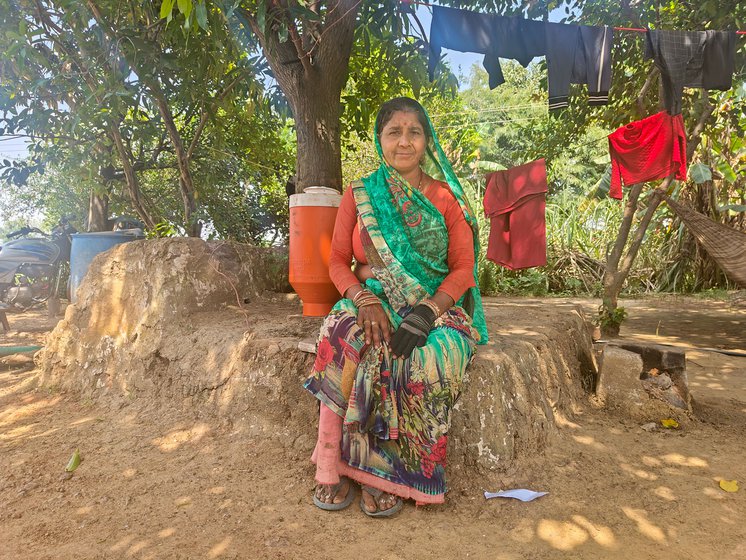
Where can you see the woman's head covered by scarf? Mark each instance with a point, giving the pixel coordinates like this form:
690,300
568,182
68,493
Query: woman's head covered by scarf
435,161
407,105
439,166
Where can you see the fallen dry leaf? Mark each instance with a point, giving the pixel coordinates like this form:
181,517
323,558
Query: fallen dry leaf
729,485
74,461
669,423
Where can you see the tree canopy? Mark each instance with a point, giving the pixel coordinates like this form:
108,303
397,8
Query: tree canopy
193,114
121,92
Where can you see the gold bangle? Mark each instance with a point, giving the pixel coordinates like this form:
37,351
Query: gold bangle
365,298
360,295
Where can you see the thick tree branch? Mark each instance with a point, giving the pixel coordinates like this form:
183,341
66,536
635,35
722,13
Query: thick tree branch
198,132
284,53
343,14
642,227
186,183
649,81
612,261
205,115
696,135
303,56
133,186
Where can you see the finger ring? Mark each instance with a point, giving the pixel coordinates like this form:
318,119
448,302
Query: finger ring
366,321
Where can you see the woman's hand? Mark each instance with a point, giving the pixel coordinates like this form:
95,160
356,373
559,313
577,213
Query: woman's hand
374,321
371,316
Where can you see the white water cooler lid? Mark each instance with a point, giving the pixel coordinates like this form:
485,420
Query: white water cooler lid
316,196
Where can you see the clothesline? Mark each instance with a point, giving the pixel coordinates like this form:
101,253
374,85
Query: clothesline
502,121
502,109
635,29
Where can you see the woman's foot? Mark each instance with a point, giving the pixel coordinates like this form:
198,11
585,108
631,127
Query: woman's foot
377,503
333,496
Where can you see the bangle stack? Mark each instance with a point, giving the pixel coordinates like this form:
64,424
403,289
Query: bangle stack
433,306
365,298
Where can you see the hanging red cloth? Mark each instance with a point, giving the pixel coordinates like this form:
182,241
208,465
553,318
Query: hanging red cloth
645,150
515,202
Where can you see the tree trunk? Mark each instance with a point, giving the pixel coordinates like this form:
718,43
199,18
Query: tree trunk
610,315
319,156
133,185
186,184
311,73
98,212
617,269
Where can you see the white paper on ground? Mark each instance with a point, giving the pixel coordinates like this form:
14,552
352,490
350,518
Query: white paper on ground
519,494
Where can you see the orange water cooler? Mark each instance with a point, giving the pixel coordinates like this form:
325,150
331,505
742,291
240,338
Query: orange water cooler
312,215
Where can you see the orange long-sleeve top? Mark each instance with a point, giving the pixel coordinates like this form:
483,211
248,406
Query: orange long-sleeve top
346,243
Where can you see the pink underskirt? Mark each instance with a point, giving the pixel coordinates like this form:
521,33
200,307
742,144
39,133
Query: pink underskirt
330,466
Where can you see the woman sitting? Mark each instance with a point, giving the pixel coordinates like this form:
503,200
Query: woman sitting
392,352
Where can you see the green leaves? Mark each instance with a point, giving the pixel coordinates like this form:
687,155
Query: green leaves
300,11
167,8
282,32
201,14
489,166
727,171
185,7
74,461
700,173
272,19
733,208
261,15
82,81
603,186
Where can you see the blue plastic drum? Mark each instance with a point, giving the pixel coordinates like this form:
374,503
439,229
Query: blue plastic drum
85,246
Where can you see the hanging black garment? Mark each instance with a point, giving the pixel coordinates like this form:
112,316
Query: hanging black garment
578,54
492,35
703,59
719,60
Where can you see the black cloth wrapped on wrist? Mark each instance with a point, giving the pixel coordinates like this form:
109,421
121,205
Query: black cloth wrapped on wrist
413,331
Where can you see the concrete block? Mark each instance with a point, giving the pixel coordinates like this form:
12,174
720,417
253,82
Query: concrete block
619,378
663,372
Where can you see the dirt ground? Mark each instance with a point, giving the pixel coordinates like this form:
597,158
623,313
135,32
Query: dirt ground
153,485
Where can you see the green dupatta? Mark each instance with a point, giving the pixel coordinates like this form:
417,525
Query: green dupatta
405,236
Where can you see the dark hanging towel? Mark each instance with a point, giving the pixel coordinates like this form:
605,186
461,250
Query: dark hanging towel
578,54
489,34
515,203
702,59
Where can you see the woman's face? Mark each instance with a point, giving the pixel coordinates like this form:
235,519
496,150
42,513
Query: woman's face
403,141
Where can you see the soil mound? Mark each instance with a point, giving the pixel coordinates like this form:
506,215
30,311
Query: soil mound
199,326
